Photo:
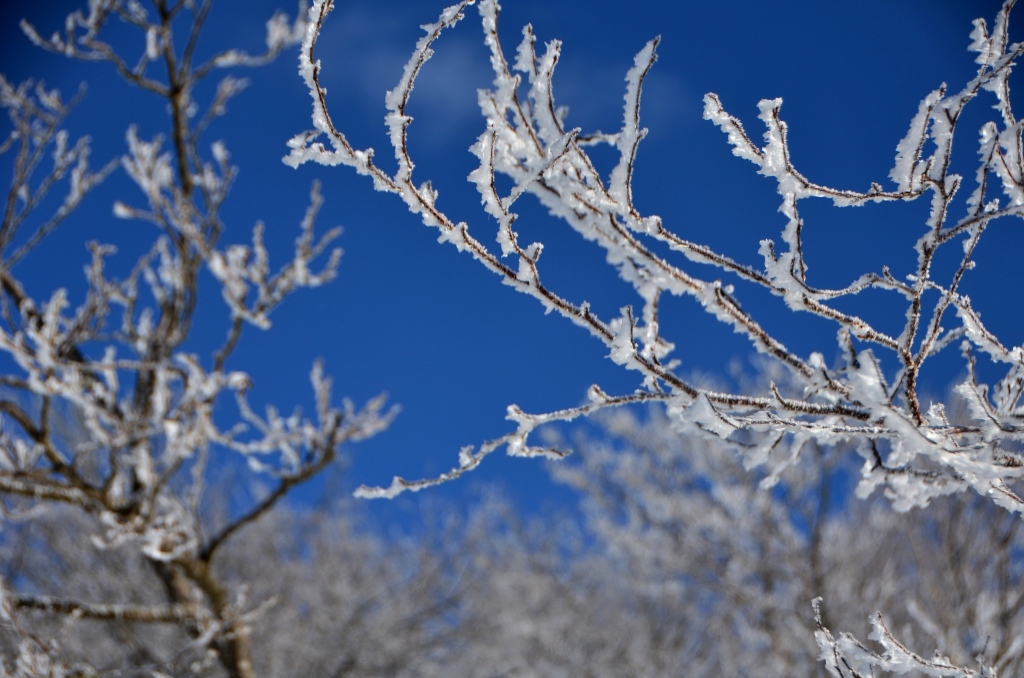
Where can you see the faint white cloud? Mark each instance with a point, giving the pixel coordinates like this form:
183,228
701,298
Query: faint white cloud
364,49
365,46
595,97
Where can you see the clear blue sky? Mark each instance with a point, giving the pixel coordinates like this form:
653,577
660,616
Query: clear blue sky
441,335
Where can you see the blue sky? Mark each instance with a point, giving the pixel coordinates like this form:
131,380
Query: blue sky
449,343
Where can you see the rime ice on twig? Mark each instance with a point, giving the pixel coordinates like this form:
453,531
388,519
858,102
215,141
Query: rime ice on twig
846,656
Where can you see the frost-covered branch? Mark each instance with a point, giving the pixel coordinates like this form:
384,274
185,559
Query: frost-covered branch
36,115
847,657
128,613
870,399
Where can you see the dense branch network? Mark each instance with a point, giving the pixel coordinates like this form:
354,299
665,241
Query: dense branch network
852,403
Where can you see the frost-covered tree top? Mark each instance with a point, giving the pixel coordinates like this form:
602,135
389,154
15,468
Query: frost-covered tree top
108,406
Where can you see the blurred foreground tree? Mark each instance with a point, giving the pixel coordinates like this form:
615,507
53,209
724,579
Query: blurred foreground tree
109,423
